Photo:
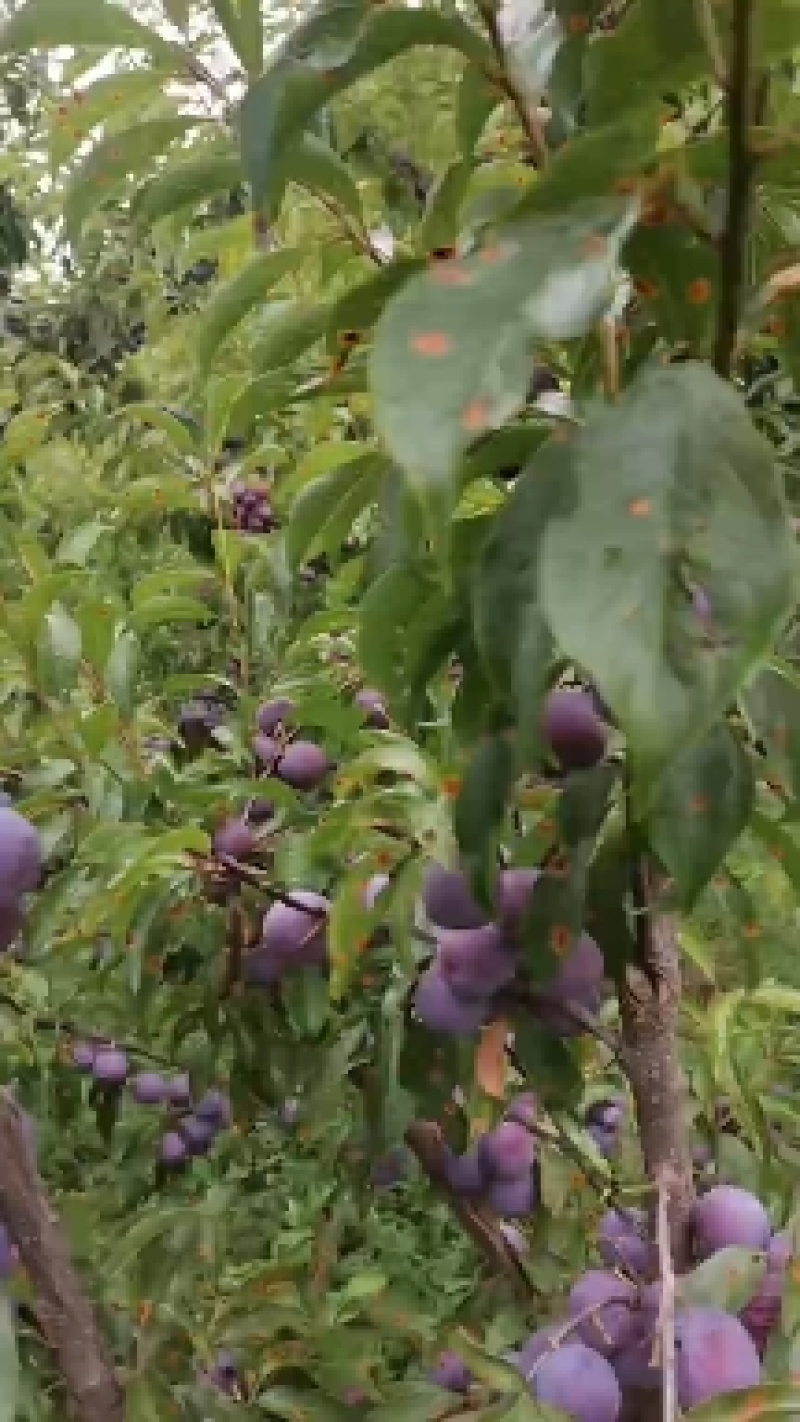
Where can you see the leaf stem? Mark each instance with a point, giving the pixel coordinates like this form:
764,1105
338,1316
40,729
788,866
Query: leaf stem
733,246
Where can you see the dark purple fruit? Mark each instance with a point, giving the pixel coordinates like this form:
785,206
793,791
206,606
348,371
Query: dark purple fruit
303,765
623,1243
374,708
110,1067
728,1216
179,1090
266,750
614,1304
173,1150
274,714
573,729
507,1152
149,1088
296,934
475,962
224,1374
465,1173
234,839
513,1199
20,855
448,901
82,1054
197,1134
578,1381
215,1107
439,1009
714,1355
260,812
451,1373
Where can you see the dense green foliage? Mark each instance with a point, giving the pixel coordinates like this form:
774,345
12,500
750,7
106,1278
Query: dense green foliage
399,453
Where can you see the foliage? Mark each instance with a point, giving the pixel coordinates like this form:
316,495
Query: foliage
398,459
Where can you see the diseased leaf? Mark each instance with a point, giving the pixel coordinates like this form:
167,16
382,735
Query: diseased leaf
112,161
452,354
671,489
53,24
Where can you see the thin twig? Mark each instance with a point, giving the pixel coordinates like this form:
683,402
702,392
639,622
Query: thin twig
278,896
76,1032
707,25
666,1313
733,246
526,111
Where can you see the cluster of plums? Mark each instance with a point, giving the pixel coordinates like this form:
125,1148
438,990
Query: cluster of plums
607,1348
193,1132
477,958
500,1170
300,763
20,871
252,508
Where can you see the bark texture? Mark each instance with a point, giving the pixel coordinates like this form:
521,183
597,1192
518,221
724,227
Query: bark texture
649,1004
63,1308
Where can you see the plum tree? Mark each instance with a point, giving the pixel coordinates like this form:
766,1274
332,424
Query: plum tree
475,962
303,765
451,1373
438,1007
728,1215
573,729
20,856
448,901
714,1355
578,1381
507,1152
606,1303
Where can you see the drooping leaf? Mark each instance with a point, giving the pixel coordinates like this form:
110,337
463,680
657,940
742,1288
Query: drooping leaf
452,352
672,489
113,160
314,165
185,184
108,101
279,104
323,513
654,47
287,329
702,805
53,24
233,301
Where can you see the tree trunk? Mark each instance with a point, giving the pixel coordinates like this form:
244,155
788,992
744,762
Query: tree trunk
63,1308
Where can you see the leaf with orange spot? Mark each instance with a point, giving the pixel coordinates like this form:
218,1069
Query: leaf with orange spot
491,1060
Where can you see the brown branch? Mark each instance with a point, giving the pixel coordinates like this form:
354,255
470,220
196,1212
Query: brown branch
425,1139
733,247
649,999
63,1308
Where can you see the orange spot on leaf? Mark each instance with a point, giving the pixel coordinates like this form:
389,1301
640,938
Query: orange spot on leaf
699,292
451,274
431,343
475,417
640,508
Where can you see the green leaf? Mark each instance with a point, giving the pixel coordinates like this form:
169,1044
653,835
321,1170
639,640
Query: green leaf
348,931
670,490
323,513
480,809
764,1402
511,631
241,22
233,301
112,161
155,415
452,352
476,100
119,677
773,704
52,24
359,308
281,103
185,185
287,329
653,48
727,1280
314,165
440,221
9,1362
702,804
108,102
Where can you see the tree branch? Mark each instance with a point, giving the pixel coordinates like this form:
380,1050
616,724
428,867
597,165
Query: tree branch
63,1308
733,247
